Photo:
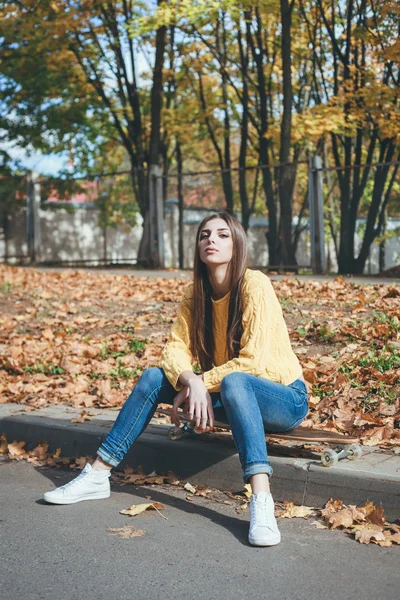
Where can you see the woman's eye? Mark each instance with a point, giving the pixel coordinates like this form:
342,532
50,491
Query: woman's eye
202,237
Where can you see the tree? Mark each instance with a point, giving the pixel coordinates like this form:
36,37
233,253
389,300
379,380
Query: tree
358,40
83,55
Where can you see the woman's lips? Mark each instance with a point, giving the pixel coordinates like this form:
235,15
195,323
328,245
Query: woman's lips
211,250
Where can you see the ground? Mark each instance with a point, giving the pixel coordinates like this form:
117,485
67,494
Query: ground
84,339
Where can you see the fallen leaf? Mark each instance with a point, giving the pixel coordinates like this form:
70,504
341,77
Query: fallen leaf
84,416
41,450
16,448
248,491
3,444
137,509
172,478
189,488
345,517
365,533
291,511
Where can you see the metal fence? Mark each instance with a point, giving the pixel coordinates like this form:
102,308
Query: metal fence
97,222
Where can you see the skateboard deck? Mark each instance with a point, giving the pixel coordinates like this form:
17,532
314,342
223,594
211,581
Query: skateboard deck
345,446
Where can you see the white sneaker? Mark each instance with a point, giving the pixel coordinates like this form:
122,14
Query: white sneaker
263,527
91,484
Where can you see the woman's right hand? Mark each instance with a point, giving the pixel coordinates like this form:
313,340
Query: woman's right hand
200,404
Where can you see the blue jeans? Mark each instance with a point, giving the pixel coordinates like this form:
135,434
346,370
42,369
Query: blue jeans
251,405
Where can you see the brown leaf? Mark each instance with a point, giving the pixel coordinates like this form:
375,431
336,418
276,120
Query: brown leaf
48,334
172,478
3,444
85,416
16,448
41,450
345,517
365,533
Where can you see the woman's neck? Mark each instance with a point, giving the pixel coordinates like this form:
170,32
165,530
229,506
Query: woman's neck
220,279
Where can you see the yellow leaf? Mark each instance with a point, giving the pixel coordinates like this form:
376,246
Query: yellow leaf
248,491
292,512
136,509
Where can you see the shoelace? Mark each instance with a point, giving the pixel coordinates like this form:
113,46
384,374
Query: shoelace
75,481
259,509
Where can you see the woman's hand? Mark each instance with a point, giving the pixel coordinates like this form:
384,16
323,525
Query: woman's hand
180,398
200,404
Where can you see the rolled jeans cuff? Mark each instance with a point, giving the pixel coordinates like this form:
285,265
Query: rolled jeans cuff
255,468
107,457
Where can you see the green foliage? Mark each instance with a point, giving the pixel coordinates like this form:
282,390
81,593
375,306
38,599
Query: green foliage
393,322
316,331
121,372
50,368
134,345
383,360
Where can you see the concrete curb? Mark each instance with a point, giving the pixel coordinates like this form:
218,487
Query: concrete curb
211,462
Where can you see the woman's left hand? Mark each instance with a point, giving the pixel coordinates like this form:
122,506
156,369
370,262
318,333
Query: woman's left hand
182,397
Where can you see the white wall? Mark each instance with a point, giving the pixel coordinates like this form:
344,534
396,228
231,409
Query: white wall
76,236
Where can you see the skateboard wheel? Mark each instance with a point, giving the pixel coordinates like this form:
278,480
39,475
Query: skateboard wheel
329,458
174,433
355,451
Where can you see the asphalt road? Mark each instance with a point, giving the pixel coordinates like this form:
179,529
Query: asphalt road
200,551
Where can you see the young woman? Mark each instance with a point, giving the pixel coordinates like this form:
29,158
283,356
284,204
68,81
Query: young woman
231,321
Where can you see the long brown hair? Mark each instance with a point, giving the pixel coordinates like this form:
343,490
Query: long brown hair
201,334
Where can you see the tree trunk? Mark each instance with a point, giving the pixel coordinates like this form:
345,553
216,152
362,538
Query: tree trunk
258,57
371,231
286,171
244,135
179,163
149,250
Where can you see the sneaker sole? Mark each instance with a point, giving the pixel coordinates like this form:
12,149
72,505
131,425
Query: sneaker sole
74,500
261,542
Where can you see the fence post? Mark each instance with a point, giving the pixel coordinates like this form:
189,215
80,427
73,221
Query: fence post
316,206
156,213
32,217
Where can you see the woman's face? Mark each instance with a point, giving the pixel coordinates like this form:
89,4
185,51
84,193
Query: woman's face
215,243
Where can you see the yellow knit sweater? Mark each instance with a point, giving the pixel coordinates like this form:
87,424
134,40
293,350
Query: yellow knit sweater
265,349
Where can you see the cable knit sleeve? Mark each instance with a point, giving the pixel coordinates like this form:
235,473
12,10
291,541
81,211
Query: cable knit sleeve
262,315
176,355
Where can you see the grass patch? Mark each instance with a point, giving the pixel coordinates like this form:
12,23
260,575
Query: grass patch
50,368
383,360
384,319
317,332
133,346
121,372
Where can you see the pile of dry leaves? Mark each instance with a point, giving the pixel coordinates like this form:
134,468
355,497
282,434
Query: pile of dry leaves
84,339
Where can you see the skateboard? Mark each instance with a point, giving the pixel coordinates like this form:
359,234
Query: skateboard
345,446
